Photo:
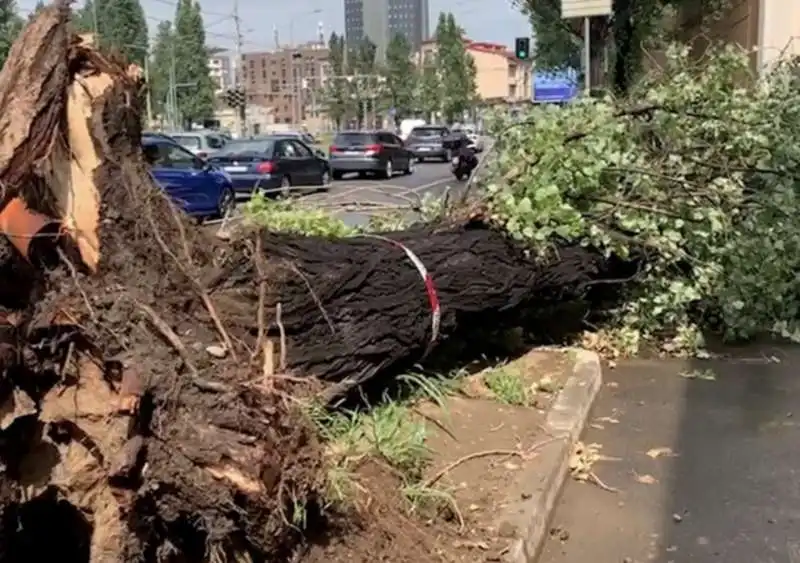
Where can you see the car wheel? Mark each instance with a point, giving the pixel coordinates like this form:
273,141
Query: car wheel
326,180
286,187
388,171
227,203
410,168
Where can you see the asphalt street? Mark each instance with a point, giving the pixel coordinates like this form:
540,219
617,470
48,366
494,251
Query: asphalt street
356,200
704,460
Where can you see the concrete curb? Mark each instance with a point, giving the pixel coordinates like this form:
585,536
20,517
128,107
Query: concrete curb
526,519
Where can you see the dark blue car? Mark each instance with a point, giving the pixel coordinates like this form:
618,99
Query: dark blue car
201,189
273,165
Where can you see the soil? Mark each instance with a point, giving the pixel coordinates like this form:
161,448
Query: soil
478,448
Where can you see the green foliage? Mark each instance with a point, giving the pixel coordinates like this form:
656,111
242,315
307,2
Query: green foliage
83,18
161,66
122,27
700,170
10,26
286,216
456,68
335,91
400,74
428,92
195,92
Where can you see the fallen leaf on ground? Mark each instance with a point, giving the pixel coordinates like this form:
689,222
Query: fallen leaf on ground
660,452
607,419
646,479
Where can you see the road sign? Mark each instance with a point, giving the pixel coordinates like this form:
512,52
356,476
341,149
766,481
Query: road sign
585,8
555,87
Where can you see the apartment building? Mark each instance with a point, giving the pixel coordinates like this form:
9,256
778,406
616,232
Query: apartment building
380,20
287,81
500,76
220,70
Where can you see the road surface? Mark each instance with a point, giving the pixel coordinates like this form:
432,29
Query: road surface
355,199
707,468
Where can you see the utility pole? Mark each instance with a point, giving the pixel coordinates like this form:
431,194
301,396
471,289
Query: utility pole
242,109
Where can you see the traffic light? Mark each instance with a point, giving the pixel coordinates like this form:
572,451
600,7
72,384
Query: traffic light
235,98
522,48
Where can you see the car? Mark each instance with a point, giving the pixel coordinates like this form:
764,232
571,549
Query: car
426,143
369,152
272,165
201,143
199,188
302,137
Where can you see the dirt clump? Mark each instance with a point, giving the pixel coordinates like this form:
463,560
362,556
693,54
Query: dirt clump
127,417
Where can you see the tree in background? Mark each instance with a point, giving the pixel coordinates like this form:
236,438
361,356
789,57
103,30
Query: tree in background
335,92
195,91
11,24
428,91
122,27
161,66
400,75
83,17
456,69
624,37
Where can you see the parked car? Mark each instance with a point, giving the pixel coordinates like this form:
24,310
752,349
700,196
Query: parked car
201,189
377,152
426,143
201,143
272,165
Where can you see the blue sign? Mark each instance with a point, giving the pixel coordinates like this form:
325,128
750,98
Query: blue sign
555,87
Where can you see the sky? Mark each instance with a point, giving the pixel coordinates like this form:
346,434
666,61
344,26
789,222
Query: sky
484,20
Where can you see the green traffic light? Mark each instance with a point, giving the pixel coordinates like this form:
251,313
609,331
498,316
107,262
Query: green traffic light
522,55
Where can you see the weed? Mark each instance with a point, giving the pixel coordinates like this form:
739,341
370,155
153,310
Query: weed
508,386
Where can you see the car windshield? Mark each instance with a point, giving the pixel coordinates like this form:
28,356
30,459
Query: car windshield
352,139
428,132
263,146
188,141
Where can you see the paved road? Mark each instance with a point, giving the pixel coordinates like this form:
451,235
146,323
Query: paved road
355,199
722,478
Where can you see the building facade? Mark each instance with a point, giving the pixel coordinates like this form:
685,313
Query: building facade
221,72
287,81
380,20
501,78
770,29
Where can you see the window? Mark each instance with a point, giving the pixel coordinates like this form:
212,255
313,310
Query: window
301,151
285,149
174,156
191,142
215,142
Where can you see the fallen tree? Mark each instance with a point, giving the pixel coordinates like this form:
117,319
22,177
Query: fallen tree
144,414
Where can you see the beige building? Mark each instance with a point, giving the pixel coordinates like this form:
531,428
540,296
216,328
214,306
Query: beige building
287,81
500,76
771,28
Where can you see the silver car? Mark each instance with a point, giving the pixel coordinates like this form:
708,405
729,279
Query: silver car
201,143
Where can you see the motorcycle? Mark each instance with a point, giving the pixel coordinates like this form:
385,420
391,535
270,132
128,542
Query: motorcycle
462,167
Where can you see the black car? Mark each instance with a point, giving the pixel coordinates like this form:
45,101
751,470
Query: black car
426,143
273,165
378,152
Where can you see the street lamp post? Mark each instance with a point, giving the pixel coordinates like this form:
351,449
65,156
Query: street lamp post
297,73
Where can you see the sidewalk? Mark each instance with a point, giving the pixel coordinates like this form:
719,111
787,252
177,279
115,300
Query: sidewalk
707,470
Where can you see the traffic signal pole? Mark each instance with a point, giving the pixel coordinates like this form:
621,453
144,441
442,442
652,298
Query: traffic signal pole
242,106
